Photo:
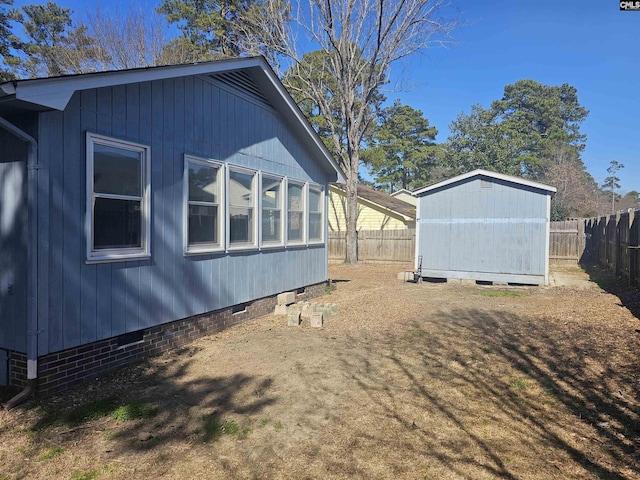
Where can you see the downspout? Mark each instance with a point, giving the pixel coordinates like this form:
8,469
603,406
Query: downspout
32,263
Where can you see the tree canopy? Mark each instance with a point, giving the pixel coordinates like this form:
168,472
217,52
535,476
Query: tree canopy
518,132
54,45
402,149
213,29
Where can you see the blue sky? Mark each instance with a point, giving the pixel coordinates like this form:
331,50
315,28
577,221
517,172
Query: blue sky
590,44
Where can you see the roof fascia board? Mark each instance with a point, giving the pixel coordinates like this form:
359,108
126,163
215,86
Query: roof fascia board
55,92
293,108
485,173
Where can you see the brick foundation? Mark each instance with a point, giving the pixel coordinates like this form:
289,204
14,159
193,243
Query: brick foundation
61,370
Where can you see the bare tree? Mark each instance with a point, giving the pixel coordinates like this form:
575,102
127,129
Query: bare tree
360,41
612,182
578,194
130,40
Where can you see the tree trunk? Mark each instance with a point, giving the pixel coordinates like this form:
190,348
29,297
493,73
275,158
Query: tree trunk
352,212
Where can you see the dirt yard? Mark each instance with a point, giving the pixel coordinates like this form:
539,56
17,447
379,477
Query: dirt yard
408,381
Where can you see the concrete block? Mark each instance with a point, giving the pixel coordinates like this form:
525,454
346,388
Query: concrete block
408,276
318,307
294,308
334,309
307,311
287,298
326,312
293,319
317,319
280,310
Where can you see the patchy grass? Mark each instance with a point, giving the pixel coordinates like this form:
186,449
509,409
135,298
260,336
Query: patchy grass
493,293
230,428
92,410
519,384
488,350
90,475
51,453
134,410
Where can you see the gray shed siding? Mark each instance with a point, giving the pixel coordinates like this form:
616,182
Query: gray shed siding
484,229
13,245
80,302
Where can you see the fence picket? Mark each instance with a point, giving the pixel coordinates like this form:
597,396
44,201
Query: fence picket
376,245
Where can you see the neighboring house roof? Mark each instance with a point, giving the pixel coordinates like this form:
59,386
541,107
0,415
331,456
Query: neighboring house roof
384,200
485,173
400,192
252,74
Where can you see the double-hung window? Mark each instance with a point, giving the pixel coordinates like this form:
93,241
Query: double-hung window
316,207
118,184
271,191
242,200
295,212
203,181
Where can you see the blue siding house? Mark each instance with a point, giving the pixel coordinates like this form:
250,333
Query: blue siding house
484,226
142,208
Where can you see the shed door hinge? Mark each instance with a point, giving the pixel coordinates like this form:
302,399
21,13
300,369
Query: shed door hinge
35,167
31,333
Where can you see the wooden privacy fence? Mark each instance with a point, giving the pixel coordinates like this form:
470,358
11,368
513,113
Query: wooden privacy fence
566,241
614,242
376,245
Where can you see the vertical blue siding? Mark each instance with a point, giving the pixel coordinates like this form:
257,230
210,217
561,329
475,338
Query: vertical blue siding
89,302
13,246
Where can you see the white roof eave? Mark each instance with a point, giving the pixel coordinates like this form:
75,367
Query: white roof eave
56,92
485,173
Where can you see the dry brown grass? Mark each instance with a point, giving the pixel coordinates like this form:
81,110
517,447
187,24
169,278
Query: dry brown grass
408,381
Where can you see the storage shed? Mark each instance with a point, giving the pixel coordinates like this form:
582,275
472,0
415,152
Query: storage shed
485,226
141,209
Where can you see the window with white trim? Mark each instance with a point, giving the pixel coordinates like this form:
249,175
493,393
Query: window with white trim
316,207
203,182
295,212
242,199
118,183
271,191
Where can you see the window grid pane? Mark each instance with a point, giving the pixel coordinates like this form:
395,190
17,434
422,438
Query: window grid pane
240,225
117,172
203,183
295,214
271,210
315,213
116,223
241,200
203,224
203,209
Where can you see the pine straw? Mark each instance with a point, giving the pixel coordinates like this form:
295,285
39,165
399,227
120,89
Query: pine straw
407,381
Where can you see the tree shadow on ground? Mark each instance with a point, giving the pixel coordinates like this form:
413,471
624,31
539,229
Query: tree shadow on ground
187,410
458,368
606,280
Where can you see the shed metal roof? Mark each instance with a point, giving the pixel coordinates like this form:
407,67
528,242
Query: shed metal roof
485,173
